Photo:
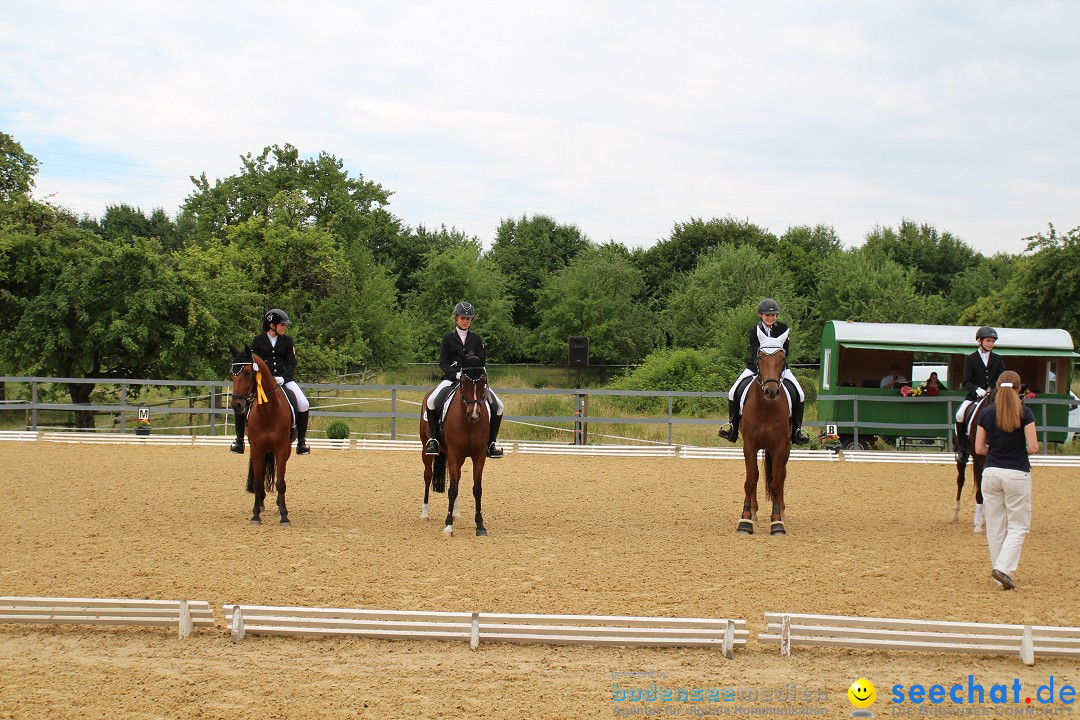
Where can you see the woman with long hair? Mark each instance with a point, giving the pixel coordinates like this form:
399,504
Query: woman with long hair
1006,436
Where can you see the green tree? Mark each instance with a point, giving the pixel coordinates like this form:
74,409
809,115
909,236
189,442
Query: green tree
595,296
123,222
450,276
724,279
528,251
859,286
936,258
17,170
663,264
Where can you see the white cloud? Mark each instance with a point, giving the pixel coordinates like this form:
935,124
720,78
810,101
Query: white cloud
623,118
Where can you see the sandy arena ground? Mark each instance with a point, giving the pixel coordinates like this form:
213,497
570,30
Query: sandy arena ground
568,535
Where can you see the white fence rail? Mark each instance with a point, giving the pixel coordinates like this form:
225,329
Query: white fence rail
606,630
1024,641
184,614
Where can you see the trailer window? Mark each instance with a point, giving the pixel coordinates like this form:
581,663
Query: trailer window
825,370
1051,379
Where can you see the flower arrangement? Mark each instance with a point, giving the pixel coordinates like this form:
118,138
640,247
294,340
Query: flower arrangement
1028,394
908,391
142,426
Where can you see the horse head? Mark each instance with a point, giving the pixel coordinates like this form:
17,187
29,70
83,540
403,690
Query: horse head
770,357
243,377
473,386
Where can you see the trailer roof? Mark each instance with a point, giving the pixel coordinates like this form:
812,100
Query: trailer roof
950,338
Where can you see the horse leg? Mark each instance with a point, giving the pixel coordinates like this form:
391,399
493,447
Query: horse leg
282,510
427,487
258,468
478,490
961,471
977,470
749,510
777,468
454,464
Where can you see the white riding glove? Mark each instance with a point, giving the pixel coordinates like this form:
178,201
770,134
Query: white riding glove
280,380
980,392
458,375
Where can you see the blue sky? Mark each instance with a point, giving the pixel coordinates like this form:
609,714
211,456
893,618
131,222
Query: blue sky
622,118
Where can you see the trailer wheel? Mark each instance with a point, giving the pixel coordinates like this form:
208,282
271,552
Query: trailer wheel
849,443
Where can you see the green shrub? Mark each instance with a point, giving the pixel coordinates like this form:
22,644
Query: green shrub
337,430
681,370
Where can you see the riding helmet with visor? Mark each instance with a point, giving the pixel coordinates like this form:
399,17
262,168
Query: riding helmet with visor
275,316
768,306
464,309
985,332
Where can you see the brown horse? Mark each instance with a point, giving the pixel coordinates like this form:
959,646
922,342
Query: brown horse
269,425
766,426
465,435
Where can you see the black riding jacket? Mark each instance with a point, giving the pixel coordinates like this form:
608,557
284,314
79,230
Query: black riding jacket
280,358
977,375
778,329
453,351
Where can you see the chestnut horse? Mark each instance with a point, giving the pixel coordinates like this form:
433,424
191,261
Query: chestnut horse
465,435
269,429
766,426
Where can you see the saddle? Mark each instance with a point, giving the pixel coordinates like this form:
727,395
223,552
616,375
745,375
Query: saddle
442,400
744,386
971,413
292,407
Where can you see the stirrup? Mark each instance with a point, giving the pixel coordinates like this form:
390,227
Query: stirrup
431,447
799,437
302,447
727,432
493,451
237,446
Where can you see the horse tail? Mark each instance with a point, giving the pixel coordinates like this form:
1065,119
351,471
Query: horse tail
768,475
438,474
270,476
251,477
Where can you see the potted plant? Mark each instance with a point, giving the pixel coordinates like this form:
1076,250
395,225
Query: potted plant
142,427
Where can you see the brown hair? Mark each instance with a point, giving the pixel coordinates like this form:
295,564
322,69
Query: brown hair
1007,404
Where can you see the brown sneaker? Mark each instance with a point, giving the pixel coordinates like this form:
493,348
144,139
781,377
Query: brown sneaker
1006,581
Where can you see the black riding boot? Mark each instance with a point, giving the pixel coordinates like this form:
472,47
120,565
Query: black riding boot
301,433
241,422
730,431
432,445
961,443
493,434
797,407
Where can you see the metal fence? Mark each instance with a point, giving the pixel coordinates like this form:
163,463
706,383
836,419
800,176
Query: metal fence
208,403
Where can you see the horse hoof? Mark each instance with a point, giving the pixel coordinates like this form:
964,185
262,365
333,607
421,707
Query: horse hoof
448,531
256,522
746,528
481,532
977,530
286,521
777,529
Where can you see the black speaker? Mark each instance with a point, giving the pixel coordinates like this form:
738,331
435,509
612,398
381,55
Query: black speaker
579,351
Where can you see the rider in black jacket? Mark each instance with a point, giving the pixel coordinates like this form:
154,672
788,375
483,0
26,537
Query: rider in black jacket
458,344
981,371
279,353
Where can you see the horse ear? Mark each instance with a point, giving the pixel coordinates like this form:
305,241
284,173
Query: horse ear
762,338
783,338
233,351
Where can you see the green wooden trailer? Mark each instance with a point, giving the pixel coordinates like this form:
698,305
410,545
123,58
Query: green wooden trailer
855,356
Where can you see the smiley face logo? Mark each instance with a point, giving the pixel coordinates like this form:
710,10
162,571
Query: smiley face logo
862,693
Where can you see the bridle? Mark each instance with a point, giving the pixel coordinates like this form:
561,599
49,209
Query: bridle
479,385
762,381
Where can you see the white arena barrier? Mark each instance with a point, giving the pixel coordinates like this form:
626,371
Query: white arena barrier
597,450
1025,641
878,456
184,614
736,453
475,628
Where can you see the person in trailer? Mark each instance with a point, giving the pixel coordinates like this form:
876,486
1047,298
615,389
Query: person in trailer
770,326
278,351
459,343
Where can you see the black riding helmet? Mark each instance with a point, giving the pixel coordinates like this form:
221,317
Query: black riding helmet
768,305
464,309
985,332
273,317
